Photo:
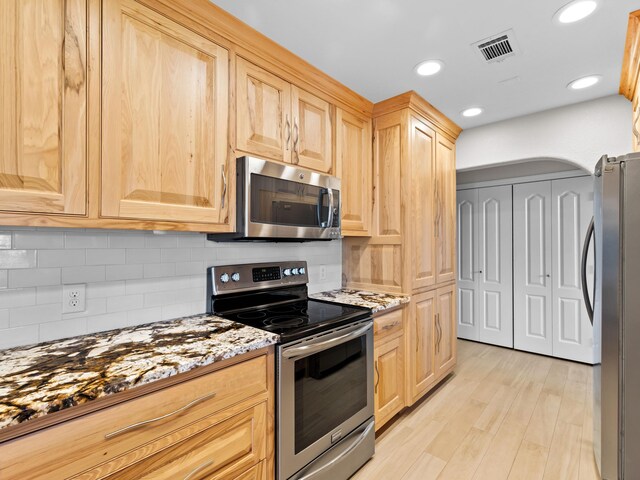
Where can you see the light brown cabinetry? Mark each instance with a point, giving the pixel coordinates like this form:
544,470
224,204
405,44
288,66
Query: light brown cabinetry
218,425
445,329
389,381
165,117
354,166
278,120
43,106
445,209
630,75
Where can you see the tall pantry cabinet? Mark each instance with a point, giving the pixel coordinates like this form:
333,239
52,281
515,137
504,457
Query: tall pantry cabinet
412,246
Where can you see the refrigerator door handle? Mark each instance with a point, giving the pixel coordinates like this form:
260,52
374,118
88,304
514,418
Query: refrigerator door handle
585,288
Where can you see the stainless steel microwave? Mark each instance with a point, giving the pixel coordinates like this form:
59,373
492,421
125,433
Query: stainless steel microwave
276,201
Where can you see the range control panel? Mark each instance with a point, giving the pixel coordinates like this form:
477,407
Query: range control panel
254,276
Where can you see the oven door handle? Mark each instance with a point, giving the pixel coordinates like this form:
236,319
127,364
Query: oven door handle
351,333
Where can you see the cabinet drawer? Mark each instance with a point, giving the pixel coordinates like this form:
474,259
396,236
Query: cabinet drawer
92,439
387,324
195,451
259,472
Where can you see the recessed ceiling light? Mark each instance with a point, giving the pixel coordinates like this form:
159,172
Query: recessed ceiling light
584,82
575,11
430,67
472,112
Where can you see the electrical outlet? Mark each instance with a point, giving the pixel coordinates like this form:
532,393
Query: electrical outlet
73,298
323,272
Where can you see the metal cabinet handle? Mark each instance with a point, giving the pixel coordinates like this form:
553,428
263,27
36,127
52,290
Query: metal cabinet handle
296,158
288,132
439,332
198,469
375,387
390,326
157,419
224,187
294,352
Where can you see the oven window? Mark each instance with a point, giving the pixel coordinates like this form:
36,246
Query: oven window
331,386
283,202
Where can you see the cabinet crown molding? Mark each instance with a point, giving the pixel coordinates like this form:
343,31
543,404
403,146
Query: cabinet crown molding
631,60
418,104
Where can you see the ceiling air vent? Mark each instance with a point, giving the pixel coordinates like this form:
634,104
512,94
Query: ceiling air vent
497,47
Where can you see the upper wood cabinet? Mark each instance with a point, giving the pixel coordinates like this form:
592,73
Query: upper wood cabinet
165,119
388,153
280,121
43,106
445,209
263,112
421,225
354,165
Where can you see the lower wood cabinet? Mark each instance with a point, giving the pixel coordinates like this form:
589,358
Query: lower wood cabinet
215,426
389,378
445,330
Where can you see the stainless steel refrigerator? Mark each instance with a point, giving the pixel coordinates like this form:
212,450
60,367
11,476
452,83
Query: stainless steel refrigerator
616,316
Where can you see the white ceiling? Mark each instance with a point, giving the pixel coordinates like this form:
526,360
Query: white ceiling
372,46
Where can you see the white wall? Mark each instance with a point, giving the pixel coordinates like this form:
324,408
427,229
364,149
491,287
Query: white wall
580,133
132,277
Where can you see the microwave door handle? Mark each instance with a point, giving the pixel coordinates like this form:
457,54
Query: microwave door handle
585,253
321,222
319,207
330,219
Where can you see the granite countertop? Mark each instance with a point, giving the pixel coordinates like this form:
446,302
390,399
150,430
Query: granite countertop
47,377
376,301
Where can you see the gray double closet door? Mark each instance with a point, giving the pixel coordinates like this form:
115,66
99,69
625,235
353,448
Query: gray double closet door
519,250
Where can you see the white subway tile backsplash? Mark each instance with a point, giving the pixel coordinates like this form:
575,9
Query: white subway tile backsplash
34,277
86,239
105,256
132,277
85,274
124,272
35,239
16,337
62,329
124,302
17,258
51,294
5,240
61,257
142,255
21,316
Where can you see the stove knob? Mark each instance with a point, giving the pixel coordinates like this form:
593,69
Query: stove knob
302,270
287,272
294,271
224,278
235,277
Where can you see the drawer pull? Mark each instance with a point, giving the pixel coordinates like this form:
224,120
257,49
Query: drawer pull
152,420
197,469
391,325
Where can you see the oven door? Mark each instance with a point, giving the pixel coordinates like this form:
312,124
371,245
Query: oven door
287,202
325,392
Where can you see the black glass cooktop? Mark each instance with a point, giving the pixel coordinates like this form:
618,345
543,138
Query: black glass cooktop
297,319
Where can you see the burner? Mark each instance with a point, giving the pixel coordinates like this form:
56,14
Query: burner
251,315
283,309
284,321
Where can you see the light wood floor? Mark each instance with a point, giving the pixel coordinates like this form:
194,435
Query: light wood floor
503,415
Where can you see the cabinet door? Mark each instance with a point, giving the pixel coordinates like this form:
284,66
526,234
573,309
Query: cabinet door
263,115
494,267
421,225
445,330
389,142
165,115
572,209
312,131
532,323
389,385
43,102
354,164
445,184
421,342
467,282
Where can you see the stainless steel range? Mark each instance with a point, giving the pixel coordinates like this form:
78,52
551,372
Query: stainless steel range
324,366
